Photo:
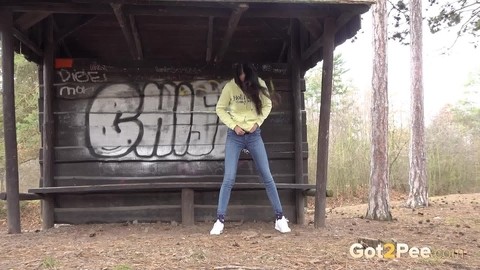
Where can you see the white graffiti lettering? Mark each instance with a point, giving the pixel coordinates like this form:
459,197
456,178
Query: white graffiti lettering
167,119
81,76
74,90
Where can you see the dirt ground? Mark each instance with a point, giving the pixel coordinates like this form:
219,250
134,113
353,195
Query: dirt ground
450,227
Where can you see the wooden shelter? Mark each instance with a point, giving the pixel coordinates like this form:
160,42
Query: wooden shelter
127,103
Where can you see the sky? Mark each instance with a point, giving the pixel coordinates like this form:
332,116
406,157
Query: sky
446,71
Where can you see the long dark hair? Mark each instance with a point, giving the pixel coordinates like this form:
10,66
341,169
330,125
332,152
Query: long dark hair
250,86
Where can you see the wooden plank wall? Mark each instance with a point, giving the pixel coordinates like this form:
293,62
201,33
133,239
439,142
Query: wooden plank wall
126,123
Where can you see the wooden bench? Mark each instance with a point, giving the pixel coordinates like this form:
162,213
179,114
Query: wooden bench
187,189
22,196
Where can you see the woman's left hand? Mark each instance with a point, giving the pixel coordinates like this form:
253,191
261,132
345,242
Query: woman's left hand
254,128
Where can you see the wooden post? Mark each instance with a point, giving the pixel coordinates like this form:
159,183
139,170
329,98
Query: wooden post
48,125
324,125
297,115
188,215
11,155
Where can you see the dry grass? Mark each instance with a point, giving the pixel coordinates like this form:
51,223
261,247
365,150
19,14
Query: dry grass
450,223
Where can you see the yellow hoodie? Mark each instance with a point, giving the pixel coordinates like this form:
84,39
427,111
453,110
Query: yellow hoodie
241,111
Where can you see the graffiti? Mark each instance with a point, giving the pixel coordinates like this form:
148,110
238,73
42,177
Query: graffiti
66,91
98,67
176,70
81,76
160,120
277,70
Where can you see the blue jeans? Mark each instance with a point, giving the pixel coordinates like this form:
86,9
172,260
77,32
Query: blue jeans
254,144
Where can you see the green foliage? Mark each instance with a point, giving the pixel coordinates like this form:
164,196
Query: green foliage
467,114
26,110
453,154
314,83
455,143
453,13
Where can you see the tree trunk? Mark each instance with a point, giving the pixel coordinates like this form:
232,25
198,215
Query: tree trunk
378,199
418,196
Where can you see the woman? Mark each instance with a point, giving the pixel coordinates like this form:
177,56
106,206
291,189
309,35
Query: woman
249,104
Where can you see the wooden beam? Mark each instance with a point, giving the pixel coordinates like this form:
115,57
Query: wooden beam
212,3
61,42
313,26
180,8
209,39
278,32
10,132
232,25
29,19
156,186
48,127
346,2
126,29
285,45
315,46
172,11
324,122
285,36
285,12
68,30
63,8
297,114
282,52
288,11
304,40
136,37
22,196
343,20
153,3
340,22
27,42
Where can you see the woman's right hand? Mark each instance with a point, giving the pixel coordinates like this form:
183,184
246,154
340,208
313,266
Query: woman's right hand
239,131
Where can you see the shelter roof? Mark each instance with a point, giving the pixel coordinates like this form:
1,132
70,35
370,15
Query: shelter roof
194,31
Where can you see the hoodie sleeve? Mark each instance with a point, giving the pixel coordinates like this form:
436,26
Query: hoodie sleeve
222,105
266,105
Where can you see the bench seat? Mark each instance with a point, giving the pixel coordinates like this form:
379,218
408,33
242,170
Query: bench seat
187,189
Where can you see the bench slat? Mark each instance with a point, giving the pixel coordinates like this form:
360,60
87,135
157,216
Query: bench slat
141,187
22,196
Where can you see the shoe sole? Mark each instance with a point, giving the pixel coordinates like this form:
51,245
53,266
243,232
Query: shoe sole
281,231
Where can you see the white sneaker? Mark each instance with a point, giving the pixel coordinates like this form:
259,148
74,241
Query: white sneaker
281,225
217,228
